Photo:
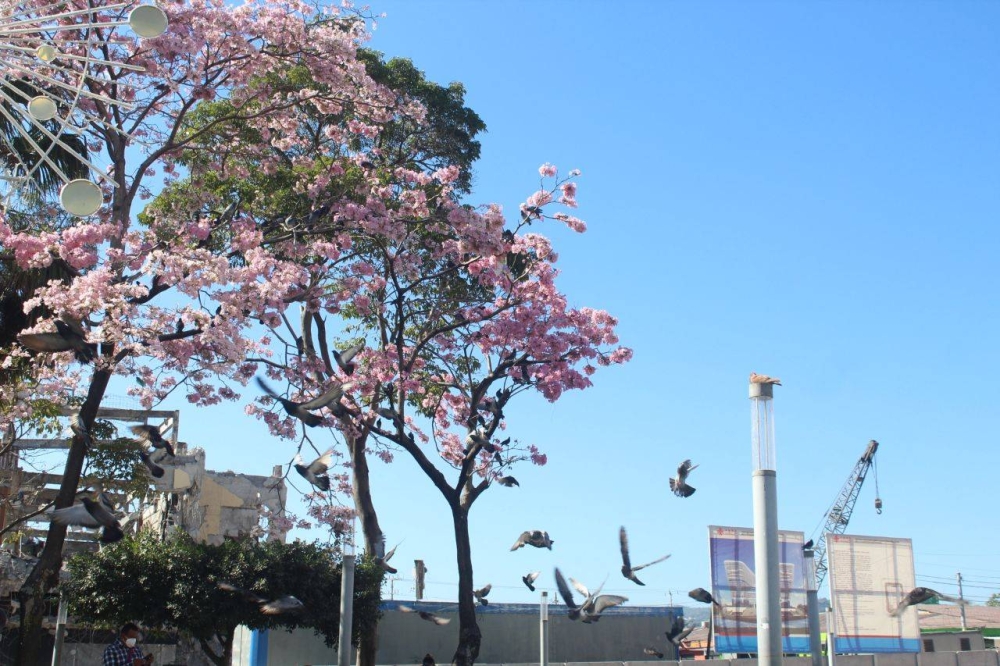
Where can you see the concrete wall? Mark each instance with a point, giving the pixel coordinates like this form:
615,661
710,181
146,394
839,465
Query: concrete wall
511,634
952,641
979,658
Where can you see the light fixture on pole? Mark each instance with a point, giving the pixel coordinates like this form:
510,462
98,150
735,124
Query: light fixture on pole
346,596
543,636
765,520
812,606
56,58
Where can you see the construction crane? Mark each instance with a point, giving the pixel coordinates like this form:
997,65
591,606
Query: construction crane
839,515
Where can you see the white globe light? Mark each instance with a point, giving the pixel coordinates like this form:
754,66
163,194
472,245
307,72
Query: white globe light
46,52
42,108
147,21
81,197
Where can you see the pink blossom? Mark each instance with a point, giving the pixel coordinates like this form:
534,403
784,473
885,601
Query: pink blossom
547,170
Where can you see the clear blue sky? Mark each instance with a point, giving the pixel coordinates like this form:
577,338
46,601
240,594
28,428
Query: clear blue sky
807,190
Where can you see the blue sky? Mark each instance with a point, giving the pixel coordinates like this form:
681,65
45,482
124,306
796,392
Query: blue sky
807,190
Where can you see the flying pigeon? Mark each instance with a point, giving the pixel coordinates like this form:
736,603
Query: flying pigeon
627,569
507,481
91,513
652,652
595,603
807,545
282,605
679,484
154,470
68,336
567,596
677,631
279,606
763,379
481,593
919,595
703,595
530,579
424,615
345,359
315,472
303,410
536,538
383,560
246,594
152,436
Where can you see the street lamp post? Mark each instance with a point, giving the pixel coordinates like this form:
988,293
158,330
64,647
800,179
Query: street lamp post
765,525
346,599
812,608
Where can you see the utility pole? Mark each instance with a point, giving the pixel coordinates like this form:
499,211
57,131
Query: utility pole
670,593
418,577
961,599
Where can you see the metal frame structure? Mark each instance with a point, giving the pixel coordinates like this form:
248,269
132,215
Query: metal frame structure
840,513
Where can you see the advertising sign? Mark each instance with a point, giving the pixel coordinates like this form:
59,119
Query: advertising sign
869,576
734,588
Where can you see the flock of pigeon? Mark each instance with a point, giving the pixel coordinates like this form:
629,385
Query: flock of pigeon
97,510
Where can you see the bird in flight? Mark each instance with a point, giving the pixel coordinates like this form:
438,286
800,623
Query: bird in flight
304,410
345,359
152,436
529,579
536,538
481,593
424,615
919,595
704,596
627,569
315,472
678,484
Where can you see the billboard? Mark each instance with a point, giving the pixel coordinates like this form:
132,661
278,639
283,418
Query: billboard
734,588
868,578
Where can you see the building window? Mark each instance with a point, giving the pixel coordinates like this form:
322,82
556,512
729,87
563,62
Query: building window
928,645
964,644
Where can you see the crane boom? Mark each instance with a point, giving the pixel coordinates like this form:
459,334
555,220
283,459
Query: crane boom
840,513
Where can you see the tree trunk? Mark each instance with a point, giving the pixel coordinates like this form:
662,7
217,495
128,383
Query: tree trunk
469,636
45,575
368,645
224,658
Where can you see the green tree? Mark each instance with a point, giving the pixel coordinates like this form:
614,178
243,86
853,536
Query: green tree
994,600
174,585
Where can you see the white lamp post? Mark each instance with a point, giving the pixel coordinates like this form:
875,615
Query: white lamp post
765,525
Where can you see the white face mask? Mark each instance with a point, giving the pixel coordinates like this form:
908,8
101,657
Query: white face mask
130,642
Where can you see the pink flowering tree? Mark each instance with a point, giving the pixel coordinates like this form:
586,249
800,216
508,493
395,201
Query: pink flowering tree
458,313
457,306
170,300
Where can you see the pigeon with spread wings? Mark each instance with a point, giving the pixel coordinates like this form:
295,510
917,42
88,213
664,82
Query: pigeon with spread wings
315,472
919,595
304,410
678,484
627,569
536,538
345,359
151,435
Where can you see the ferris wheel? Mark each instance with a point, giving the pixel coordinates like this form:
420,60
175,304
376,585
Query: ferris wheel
50,50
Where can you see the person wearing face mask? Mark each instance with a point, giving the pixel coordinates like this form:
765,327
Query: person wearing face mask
123,652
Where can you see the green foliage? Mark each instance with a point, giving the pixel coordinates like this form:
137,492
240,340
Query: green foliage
116,462
173,584
994,600
449,134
